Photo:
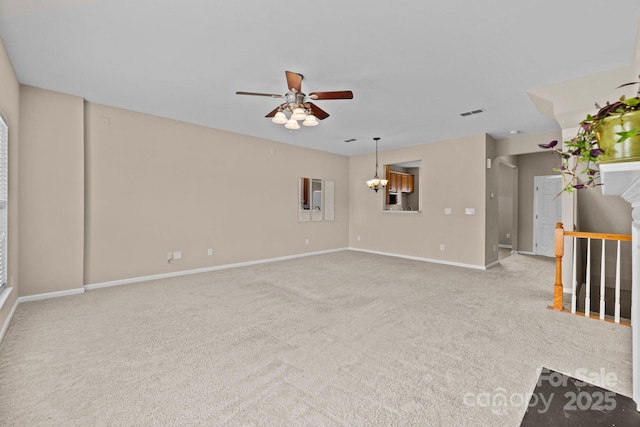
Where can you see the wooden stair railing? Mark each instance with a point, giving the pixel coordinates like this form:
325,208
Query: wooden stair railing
560,233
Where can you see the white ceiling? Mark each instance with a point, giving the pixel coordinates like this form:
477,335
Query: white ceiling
413,66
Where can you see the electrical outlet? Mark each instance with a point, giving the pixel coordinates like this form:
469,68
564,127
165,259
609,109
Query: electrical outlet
442,247
447,211
358,238
306,242
508,235
210,251
177,255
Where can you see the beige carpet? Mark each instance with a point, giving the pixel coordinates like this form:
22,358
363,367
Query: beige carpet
346,338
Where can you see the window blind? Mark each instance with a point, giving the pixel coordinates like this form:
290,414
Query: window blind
4,198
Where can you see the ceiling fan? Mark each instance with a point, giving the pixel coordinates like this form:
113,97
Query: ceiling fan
297,104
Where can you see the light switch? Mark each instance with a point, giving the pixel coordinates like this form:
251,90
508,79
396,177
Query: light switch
447,211
470,211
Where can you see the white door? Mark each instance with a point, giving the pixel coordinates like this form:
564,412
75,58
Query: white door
547,213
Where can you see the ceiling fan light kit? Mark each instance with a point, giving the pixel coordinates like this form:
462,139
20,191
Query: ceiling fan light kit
297,106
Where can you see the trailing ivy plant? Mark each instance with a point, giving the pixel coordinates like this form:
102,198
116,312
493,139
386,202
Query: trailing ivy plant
580,155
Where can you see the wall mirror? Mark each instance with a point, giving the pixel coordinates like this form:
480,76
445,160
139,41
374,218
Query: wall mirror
402,193
329,200
304,202
310,200
316,199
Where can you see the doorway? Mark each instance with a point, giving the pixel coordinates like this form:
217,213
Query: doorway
547,205
507,206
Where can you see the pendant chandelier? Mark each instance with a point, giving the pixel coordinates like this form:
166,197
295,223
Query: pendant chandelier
376,183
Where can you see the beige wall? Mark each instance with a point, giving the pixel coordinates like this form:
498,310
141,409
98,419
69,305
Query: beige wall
530,166
491,191
531,161
506,199
156,185
453,176
603,214
525,143
10,112
51,191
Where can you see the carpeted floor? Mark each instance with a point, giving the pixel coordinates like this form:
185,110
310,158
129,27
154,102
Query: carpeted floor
345,338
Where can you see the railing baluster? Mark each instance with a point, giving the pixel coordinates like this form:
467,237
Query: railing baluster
560,234
574,282
587,290
602,274
617,303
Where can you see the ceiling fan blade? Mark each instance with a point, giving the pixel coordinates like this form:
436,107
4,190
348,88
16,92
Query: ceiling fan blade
294,81
271,95
275,110
317,111
341,94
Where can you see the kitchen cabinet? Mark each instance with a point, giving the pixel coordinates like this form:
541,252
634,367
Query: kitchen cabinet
400,182
407,183
394,182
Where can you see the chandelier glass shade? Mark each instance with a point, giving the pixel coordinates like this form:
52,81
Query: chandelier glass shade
376,183
298,114
279,118
310,121
292,124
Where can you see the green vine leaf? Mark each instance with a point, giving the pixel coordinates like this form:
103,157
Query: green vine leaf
631,102
627,134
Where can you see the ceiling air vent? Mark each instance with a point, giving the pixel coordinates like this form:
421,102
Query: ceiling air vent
350,140
472,112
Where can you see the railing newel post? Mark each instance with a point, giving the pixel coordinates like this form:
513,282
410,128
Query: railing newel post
559,252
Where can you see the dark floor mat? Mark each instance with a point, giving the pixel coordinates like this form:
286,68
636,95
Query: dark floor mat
560,400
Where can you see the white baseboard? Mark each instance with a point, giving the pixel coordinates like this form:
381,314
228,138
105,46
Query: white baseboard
203,270
523,252
48,295
493,264
77,291
505,246
436,261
